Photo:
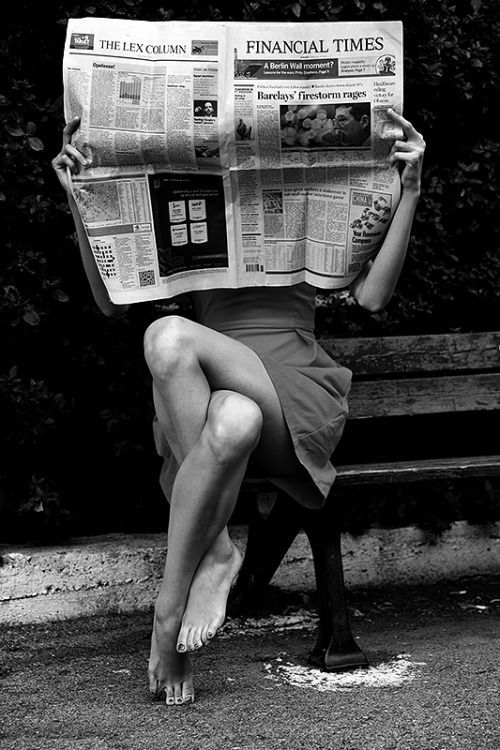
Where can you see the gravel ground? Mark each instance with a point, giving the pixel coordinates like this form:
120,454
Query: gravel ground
433,683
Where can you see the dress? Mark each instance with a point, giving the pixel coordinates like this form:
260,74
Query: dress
278,324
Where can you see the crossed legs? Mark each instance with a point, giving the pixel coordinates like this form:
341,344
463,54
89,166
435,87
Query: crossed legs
216,406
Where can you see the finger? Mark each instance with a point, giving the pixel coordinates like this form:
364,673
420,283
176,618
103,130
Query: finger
63,160
76,154
409,147
69,129
408,128
402,146
411,159
413,144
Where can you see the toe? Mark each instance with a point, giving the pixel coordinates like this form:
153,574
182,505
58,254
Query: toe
212,628
178,694
190,639
197,642
154,685
169,695
203,635
187,691
182,639
156,689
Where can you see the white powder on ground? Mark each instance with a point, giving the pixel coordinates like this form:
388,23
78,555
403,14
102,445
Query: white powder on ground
389,674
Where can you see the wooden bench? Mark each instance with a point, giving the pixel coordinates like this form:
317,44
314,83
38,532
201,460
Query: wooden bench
422,408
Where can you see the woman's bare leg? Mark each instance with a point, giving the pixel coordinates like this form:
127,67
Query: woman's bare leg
203,498
187,361
191,420
182,424
190,365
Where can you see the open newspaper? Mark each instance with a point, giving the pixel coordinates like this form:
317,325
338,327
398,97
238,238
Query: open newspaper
232,154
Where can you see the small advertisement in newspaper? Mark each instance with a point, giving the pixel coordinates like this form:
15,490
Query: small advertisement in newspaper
233,154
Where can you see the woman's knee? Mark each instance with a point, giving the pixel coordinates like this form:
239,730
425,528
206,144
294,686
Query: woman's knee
234,425
168,345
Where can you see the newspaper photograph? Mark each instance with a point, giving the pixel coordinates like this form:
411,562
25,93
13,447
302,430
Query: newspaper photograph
226,155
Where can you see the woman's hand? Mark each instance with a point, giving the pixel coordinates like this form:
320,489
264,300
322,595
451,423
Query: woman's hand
69,156
410,152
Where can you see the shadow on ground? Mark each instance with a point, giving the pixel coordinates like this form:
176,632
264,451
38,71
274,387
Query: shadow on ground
433,682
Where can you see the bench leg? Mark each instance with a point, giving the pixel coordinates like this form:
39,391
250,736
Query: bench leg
335,648
268,542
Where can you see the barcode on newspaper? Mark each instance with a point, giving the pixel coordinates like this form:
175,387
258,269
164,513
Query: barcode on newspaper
147,278
253,267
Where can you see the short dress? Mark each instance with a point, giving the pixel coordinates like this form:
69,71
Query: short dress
278,324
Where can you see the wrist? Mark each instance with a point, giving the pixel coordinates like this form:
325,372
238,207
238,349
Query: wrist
410,193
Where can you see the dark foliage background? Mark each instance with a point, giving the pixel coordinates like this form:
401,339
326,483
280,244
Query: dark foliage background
75,445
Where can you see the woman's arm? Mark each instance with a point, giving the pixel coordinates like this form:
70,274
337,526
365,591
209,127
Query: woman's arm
375,286
70,157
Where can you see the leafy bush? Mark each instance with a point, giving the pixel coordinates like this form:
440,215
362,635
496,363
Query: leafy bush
74,392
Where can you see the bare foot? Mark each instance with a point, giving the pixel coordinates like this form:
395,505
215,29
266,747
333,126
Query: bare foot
206,607
169,672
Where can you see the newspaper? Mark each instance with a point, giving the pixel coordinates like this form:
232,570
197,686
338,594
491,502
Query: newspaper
232,154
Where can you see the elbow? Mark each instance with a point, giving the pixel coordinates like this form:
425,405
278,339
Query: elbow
110,310
117,313
374,298
372,304
109,313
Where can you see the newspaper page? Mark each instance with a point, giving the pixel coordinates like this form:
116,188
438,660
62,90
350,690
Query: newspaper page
313,190
232,154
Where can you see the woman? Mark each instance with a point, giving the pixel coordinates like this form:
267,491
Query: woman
246,389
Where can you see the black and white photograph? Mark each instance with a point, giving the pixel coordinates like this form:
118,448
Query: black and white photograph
250,375
205,108
344,125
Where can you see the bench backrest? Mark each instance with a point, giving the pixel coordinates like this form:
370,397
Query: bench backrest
425,374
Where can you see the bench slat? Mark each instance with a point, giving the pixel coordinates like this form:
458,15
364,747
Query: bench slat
447,394
415,471
413,354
